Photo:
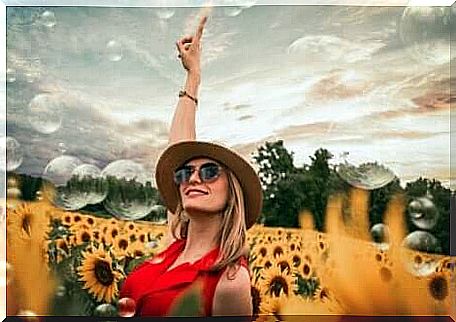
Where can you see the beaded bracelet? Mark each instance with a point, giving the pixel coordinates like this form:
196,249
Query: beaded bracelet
184,93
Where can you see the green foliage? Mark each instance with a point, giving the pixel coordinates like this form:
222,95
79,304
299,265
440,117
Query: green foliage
440,196
288,190
306,287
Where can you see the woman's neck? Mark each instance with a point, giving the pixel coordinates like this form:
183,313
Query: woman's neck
202,235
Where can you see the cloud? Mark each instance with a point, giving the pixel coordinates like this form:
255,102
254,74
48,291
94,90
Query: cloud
329,48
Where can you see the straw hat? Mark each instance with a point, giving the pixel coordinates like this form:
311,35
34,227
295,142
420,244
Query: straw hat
179,153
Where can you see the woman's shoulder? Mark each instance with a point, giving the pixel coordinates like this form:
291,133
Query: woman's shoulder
235,290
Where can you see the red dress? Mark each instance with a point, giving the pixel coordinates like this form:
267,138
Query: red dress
154,290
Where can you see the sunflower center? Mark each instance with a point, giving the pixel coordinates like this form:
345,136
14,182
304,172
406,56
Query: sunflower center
439,288
284,265
277,251
278,283
26,223
103,273
263,251
296,260
306,269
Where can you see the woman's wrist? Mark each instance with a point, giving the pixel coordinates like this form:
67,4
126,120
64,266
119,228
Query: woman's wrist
192,83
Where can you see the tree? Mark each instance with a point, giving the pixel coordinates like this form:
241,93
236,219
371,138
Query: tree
274,163
295,193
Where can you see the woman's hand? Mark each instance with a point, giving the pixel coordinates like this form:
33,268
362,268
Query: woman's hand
189,48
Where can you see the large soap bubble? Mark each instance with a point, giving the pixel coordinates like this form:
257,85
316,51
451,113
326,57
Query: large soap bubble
368,176
423,213
426,31
45,113
130,194
422,241
14,154
60,187
90,182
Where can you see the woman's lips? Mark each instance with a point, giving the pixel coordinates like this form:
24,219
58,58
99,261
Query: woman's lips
195,193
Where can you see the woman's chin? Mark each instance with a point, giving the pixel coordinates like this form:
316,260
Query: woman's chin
196,209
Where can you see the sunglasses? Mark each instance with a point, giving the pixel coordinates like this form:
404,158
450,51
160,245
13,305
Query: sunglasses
207,172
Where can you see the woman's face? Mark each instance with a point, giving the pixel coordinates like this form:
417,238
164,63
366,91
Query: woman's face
199,196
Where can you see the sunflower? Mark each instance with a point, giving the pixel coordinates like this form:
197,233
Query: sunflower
27,219
438,286
275,282
120,246
274,306
296,258
90,221
284,261
98,275
305,269
261,250
278,249
265,262
83,236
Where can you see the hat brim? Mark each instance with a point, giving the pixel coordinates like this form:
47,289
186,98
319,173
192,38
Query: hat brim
177,154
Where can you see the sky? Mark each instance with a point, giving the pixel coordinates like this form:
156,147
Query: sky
101,83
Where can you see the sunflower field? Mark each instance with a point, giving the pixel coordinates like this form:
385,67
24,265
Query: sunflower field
69,263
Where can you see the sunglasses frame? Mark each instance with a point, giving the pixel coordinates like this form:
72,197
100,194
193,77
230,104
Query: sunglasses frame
198,168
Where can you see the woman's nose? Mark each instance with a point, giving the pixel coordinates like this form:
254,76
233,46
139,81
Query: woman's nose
194,177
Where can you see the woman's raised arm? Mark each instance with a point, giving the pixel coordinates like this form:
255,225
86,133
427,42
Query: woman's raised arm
183,123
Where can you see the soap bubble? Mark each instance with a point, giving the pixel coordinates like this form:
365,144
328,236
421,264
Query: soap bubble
130,195
104,310
11,75
126,307
379,233
114,51
422,241
368,176
14,154
164,13
48,19
60,291
61,187
426,33
45,113
423,213
91,184
62,147
39,195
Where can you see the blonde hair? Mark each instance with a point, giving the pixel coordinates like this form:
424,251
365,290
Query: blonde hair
232,234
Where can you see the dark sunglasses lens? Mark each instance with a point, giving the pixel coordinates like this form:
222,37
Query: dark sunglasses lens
182,175
209,171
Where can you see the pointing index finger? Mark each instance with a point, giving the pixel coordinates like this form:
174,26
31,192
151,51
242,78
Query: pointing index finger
199,31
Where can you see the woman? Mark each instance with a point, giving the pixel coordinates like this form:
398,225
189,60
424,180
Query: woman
213,196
